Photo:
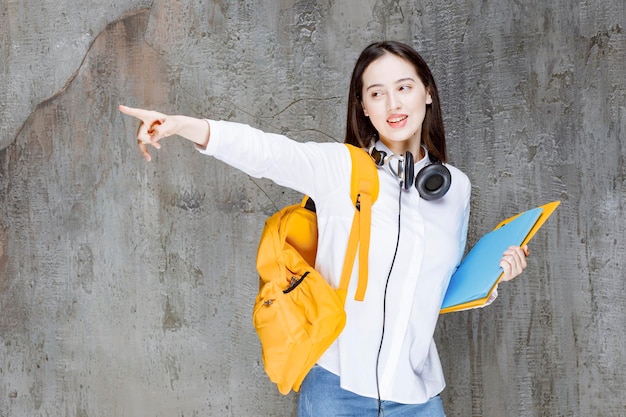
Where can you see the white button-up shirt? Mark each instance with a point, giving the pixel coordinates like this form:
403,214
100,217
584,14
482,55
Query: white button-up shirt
431,242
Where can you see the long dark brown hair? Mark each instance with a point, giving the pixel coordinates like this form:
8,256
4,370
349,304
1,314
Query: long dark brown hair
359,129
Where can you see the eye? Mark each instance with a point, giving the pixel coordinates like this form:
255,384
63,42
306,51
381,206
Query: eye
376,94
405,87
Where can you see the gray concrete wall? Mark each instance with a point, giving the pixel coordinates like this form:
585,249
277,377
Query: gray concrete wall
126,287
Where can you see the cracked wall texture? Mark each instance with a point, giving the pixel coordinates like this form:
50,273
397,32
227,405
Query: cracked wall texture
126,288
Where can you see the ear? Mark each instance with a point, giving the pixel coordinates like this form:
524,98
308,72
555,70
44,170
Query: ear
364,110
429,99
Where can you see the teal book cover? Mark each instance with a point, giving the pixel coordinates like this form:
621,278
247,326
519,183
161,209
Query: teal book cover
479,272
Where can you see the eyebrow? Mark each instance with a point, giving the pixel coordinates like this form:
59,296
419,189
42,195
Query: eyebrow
401,80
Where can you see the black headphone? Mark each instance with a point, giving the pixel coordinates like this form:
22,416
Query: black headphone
432,182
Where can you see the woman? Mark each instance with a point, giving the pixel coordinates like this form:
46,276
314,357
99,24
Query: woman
385,361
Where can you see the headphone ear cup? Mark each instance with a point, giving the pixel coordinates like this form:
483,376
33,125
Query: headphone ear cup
378,156
433,181
408,170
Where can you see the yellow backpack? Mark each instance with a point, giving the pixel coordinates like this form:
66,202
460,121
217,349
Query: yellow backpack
297,314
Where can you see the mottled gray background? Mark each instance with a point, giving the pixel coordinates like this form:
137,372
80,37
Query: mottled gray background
126,287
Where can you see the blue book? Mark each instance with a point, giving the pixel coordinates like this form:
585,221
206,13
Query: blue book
479,272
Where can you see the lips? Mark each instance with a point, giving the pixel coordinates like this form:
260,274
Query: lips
397,120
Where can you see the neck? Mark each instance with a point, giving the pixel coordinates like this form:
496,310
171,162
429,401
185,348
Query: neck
399,148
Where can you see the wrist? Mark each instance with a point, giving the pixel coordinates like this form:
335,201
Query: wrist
193,129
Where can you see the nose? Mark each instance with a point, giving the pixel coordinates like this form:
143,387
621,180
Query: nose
393,102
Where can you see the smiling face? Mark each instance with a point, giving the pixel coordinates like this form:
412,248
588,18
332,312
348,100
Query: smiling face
395,99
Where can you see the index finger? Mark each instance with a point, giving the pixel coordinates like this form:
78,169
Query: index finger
142,114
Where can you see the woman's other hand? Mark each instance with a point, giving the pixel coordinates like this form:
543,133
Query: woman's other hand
153,127
513,261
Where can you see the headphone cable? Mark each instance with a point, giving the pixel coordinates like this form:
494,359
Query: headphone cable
381,412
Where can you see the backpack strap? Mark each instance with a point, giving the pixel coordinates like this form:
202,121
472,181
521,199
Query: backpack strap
363,192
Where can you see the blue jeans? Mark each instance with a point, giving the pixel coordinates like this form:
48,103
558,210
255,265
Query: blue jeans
321,395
